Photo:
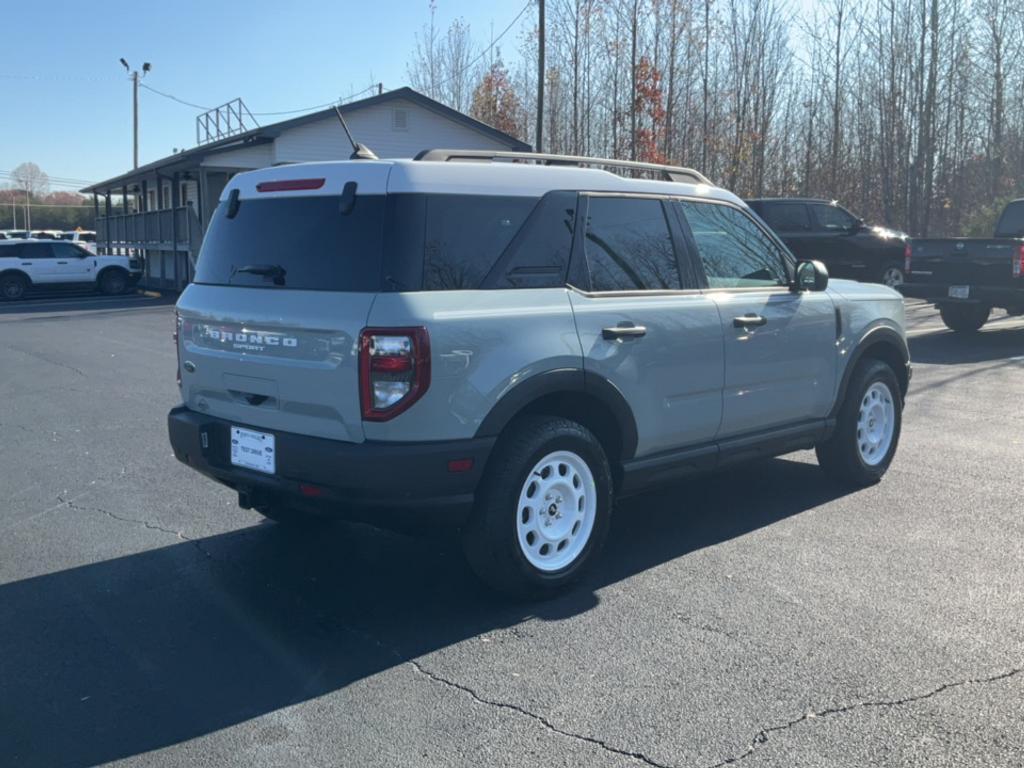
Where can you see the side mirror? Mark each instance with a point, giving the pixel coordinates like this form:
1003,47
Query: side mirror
811,276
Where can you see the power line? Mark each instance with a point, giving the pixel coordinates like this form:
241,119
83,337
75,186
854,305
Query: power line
312,108
172,97
486,50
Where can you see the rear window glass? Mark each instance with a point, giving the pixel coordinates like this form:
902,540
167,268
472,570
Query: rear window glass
304,243
465,235
1011,223
786,217
628,246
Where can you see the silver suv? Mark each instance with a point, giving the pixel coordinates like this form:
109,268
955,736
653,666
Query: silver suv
506,343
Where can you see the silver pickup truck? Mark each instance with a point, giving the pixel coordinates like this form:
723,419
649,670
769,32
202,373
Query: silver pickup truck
503,348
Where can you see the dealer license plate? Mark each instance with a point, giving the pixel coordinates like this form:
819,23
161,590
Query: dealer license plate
959,291
252,450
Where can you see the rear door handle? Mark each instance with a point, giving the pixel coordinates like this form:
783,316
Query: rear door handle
749,320
26,263
62,262
623,332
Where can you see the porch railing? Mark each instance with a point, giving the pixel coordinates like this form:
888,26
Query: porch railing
170,229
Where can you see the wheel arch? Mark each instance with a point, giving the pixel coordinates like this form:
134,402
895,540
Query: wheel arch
587,398
21,273
880,343
111,268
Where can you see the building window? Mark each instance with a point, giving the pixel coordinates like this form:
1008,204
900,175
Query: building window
399,119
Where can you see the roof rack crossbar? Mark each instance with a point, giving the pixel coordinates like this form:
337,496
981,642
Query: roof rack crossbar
667,172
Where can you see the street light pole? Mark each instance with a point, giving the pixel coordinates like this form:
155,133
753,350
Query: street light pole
135,106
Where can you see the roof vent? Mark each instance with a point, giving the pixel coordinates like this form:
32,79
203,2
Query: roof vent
399,119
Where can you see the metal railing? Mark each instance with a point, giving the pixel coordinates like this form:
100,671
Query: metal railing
169,229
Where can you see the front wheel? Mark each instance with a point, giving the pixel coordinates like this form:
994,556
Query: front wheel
868,427
543,510
964,318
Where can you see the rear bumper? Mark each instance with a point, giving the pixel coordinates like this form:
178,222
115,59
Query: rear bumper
371,481
996,296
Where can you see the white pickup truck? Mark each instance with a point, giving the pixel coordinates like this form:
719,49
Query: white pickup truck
52,263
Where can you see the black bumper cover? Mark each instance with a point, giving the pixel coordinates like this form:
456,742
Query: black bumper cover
362,481
1005,297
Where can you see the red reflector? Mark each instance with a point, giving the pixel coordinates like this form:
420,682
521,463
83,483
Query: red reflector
287,185
460,465
391,364
311,490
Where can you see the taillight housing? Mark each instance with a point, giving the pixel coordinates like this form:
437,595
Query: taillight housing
906,258
394,370
1018,263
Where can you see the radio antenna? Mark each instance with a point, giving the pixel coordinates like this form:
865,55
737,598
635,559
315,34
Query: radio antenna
359,151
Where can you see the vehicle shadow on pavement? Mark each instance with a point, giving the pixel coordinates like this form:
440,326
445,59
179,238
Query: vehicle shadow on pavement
948,348
117,658
57,302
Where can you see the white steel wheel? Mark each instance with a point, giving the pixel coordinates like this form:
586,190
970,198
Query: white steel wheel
876,423
556,511
892,277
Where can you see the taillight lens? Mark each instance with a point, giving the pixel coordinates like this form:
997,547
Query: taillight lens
1018,264
394,370
906,259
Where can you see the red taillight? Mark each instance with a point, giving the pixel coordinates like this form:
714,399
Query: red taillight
906,259
289,185
394,370
1018,264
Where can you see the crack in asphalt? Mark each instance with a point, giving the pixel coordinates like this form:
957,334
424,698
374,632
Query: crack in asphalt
762,736
45,359
70,504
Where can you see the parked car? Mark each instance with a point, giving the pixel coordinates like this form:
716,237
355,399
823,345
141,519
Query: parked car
27,263
15,234
823,230
503,348
84,237
966,277
45,234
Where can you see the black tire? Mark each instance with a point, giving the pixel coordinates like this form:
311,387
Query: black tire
113,282
12,286
964,318
840,456
892,275
492,540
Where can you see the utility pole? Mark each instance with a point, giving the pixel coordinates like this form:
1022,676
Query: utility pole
540,79
134,74
28,209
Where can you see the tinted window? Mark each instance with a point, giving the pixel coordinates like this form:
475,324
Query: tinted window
786,217
68,251
1011,223
317,246
735,252
628,245
37,251
13,251
465,235
539,256
832,217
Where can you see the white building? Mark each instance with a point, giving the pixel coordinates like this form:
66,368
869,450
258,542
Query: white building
162,209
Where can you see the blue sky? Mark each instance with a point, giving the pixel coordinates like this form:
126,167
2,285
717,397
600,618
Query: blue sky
67,101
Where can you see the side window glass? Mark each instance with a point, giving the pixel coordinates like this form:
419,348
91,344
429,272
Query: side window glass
832,218
465,235
539,256
733,249
66,251
628,246
787,217
38,251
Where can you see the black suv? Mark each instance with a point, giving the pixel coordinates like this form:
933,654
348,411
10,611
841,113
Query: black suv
822,230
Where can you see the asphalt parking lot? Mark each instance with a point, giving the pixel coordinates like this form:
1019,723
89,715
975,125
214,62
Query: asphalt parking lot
761,617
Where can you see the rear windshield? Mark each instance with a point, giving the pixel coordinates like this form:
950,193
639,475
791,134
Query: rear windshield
303,243
1011,223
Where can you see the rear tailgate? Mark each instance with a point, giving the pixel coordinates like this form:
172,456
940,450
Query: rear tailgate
284,283
963,261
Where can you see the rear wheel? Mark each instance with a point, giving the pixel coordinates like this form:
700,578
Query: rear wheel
964,318
12,286
868,427
543,510
113,282
892,275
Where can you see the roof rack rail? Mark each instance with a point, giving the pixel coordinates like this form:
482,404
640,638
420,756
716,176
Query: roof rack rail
666,172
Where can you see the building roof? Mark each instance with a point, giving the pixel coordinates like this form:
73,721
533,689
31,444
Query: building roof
267,133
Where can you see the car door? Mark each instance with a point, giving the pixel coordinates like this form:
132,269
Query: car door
780,345
835,235
37,262
644,325
72,264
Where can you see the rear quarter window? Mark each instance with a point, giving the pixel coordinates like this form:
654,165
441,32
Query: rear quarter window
1011,223
318,247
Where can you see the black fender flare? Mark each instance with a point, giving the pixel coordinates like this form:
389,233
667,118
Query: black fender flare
879,336
558,381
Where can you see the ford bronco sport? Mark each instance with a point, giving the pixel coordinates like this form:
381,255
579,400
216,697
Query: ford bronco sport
504,343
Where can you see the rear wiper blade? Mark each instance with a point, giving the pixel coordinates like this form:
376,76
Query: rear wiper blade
275,271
